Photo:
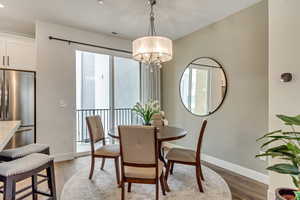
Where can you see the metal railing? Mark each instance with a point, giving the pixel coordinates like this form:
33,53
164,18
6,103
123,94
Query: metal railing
110,119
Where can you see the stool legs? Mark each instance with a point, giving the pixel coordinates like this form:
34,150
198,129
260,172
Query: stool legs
34,187
9,189
51,180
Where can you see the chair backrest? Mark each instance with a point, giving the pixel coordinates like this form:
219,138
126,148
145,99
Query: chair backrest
138,145
95,128
200,140
157,120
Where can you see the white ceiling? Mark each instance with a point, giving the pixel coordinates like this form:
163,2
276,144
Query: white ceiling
129,18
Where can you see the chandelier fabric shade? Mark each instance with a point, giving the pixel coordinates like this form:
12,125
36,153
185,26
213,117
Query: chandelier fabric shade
152,49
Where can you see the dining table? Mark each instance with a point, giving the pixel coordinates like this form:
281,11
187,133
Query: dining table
164,134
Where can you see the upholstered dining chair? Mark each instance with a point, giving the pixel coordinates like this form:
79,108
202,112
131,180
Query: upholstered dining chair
139,158
188,157
158,120
111,151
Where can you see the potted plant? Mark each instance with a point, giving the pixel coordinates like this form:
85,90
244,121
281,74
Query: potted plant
146,111
287,148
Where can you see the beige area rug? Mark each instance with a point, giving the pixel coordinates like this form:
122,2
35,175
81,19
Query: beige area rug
182,184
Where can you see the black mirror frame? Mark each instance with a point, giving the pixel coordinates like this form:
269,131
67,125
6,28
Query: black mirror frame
225,94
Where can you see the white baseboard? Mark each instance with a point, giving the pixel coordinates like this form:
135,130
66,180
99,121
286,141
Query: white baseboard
63,157
237,169
271,195
82,154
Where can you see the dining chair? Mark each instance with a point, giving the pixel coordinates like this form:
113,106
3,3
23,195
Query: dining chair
159,121
188,157
139,158
111,151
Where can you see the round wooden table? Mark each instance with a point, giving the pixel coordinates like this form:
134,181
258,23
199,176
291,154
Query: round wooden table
165,133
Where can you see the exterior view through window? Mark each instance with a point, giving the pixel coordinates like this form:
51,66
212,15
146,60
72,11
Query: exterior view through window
108,86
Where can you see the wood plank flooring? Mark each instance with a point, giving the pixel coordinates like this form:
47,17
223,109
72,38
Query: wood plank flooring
242,188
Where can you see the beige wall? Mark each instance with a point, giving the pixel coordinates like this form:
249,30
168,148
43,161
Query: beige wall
56,83
284,45
239,42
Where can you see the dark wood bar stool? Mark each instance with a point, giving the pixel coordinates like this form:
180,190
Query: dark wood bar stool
20,152
27,167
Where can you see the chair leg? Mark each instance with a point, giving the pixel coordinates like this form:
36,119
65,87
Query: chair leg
162,183
92,167
201,173
34,187
157,190
103,163
172,168
198,176
117,170
51,179
123,190
168,170
9,190
129,187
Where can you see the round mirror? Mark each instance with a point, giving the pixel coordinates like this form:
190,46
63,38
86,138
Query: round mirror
203,86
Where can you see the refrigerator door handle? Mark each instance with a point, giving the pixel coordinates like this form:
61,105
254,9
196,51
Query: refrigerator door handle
6,100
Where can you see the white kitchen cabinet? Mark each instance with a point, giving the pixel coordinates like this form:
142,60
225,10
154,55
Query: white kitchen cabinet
18,53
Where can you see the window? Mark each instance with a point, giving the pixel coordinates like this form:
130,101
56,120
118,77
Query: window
105,81
108,86
127,82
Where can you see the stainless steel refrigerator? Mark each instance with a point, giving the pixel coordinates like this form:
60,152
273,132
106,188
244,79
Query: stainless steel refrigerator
17,102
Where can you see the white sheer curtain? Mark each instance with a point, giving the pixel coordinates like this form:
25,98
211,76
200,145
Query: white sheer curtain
150,84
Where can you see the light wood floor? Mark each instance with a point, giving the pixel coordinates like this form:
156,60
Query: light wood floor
242,188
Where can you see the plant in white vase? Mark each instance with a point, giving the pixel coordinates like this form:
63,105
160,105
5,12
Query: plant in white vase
146,111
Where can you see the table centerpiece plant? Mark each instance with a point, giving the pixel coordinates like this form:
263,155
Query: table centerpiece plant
285,146
146,111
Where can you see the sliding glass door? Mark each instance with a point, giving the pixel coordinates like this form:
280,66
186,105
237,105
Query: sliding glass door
108,86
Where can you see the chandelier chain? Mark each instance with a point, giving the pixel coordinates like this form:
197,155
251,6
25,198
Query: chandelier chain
152,30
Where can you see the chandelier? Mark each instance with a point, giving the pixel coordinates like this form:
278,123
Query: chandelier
152,49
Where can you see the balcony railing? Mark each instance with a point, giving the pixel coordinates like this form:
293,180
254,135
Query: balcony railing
110,119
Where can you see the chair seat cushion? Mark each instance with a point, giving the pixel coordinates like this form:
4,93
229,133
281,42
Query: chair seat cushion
23,151
167,146
112,150
144,173
25,164
183,155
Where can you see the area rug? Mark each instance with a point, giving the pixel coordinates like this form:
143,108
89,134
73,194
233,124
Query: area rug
183,186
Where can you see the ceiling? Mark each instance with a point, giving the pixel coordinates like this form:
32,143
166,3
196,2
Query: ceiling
129,18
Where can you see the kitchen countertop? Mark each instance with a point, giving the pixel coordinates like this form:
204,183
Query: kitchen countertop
7,131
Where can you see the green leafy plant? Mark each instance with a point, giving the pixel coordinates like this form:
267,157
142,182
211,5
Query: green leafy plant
286,146
146,111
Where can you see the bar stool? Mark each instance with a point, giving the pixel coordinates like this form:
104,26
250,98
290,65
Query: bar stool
20,169
20,152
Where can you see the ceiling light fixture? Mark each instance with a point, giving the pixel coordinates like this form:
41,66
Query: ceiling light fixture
1,5
152,49
100,2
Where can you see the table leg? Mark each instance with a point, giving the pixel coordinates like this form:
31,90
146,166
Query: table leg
161,157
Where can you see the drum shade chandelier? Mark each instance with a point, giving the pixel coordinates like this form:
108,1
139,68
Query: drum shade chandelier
152,49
